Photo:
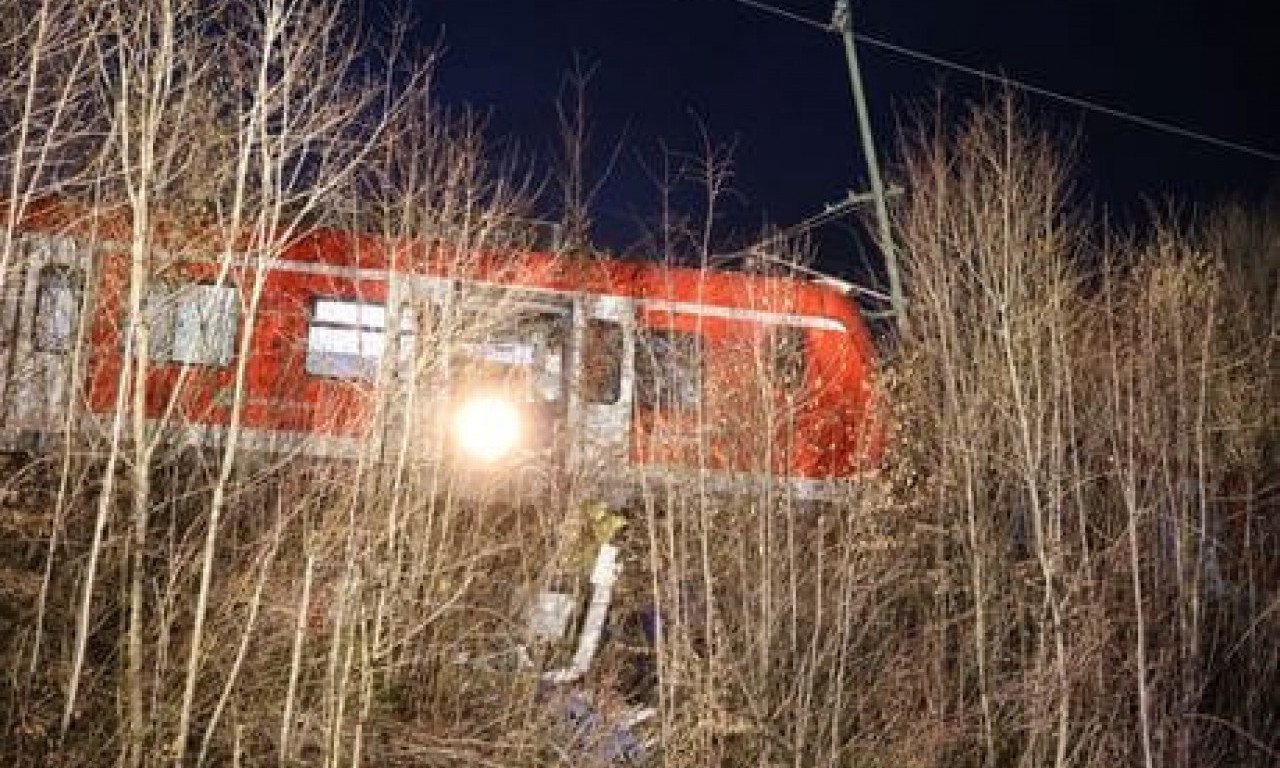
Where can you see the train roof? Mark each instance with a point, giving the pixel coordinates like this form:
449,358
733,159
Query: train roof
187,238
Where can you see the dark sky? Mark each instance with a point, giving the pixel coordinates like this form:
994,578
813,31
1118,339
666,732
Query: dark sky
780,91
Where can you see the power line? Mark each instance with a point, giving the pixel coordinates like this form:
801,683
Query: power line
817,274
776,11
1075,101
830,212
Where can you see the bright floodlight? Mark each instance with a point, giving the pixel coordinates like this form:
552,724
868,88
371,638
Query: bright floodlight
487,428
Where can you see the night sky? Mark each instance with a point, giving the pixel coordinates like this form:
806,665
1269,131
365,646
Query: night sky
779,92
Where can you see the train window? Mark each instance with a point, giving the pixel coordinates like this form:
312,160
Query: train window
57,307
346,338
668,369
512,338
193,323
602,362
520,349
789,351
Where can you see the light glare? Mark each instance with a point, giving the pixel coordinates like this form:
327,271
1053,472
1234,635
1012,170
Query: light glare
487,428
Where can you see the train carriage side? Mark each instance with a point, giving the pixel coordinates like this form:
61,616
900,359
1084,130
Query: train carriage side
659,369
739,376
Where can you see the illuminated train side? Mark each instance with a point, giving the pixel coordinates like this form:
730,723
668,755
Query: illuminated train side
507,369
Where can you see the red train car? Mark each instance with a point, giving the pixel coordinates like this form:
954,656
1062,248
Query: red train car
494,366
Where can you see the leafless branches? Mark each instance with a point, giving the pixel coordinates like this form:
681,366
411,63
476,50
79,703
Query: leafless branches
1068,559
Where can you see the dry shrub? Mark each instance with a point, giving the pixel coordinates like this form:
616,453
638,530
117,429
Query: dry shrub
1068,558
1090,422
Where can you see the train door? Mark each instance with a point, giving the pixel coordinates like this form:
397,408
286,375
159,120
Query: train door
509,360
419,375
41,316
12,292
600,403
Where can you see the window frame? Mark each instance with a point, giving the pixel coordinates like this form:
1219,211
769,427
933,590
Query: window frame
614,353
174,301
658,398
789,356
409,329
41,322
488,318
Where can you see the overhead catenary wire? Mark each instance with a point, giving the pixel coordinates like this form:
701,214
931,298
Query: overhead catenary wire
832,212
829,214
813,222
817,274
786,14
1065,98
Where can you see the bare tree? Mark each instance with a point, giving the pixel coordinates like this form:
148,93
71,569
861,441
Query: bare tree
578,190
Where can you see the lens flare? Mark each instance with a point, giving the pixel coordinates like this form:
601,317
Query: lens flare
487,428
